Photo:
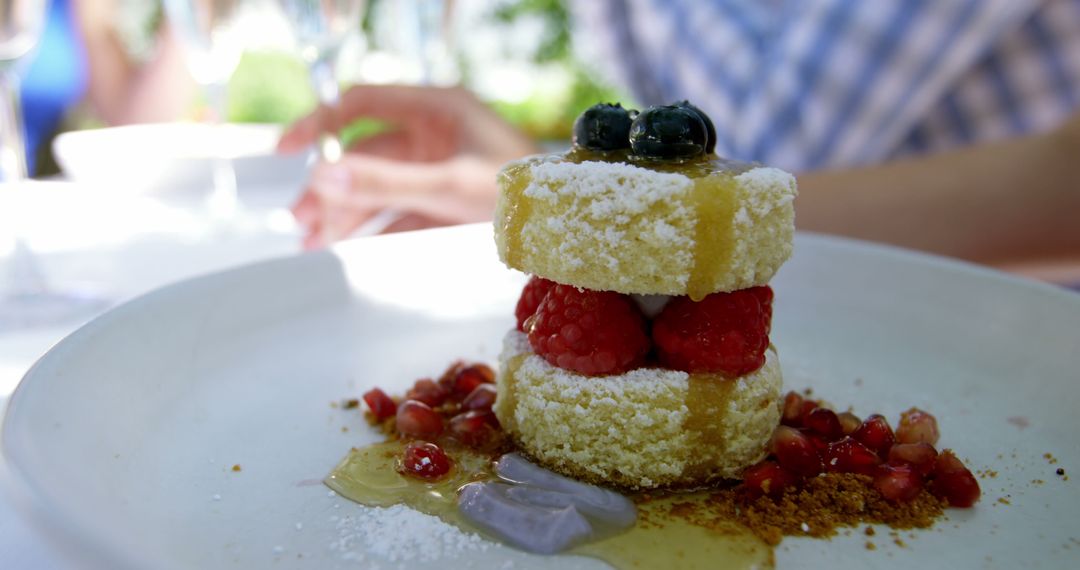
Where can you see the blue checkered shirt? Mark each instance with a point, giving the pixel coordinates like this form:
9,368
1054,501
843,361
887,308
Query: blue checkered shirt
807,84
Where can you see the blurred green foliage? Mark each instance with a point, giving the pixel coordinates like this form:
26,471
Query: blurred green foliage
538,115
269,87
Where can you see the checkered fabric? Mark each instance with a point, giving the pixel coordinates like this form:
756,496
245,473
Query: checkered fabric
806,84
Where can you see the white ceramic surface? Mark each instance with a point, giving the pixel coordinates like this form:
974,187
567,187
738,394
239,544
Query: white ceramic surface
171,157
121,438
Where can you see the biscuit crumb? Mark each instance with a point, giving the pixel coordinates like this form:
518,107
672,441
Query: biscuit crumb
820,508
236,468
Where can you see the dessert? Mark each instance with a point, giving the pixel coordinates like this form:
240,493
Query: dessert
645,359
641,361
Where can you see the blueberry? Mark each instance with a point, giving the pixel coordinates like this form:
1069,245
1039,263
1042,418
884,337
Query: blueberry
710,145
603,127
670,131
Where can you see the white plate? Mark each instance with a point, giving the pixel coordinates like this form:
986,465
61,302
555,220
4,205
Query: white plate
170,157
122,437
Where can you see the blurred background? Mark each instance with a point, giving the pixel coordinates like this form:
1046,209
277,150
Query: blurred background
516,55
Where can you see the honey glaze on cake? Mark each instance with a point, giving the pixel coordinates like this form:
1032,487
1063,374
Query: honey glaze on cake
609,222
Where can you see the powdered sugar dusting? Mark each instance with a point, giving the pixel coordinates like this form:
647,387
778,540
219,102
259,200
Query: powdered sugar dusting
400,536
596,207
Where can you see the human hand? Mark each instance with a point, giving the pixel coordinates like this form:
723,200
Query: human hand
436,165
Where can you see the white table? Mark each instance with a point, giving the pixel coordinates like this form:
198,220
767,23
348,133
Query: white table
119,246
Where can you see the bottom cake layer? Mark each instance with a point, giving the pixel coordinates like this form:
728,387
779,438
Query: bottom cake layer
647,428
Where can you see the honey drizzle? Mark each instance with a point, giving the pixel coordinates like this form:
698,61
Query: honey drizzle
506,402
708,398
667,536
714,200
666,533
514,181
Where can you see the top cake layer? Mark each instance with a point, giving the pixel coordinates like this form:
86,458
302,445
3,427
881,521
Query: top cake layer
670,229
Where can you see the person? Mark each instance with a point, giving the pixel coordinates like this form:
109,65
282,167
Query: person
110,54
940,126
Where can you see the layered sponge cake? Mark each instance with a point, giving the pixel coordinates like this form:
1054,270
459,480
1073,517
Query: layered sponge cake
650,228
641,358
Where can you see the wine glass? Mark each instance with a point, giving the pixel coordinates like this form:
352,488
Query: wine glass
27,300
320,27
213,44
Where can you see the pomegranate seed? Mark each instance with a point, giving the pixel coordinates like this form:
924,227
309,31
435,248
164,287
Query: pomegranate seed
898,483
381,406
875,434
824,422
804,412
917,426
475,428
481,398
817,441
792,414
424,460
920,456
451,372
849,422
468,378
849,456
767,478
795,452
417,419
954,482
427,391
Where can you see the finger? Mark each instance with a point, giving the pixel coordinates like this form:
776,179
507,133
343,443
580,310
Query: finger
394,103
300,134
313,240
412,222
456,191
424,142
306,209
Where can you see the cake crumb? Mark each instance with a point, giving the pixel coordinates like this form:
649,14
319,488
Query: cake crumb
1049,457
1004,500
870,545
823,506
351,403
236,468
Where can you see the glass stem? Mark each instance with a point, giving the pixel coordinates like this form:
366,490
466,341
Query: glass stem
24,276
324,80
223,201
12,147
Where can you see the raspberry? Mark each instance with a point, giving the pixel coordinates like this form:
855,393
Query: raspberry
724,332
535,290
590,332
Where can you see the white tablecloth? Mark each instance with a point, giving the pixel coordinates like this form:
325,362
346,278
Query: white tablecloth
118,246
